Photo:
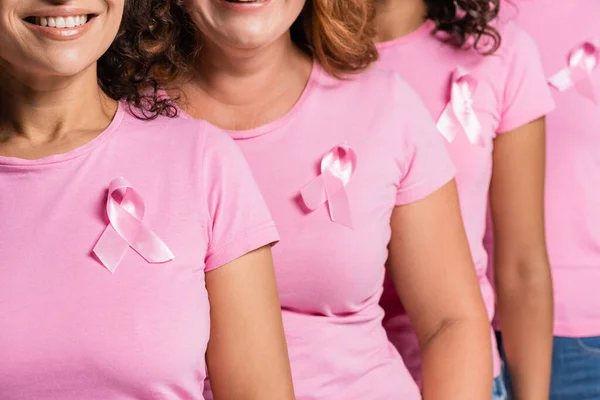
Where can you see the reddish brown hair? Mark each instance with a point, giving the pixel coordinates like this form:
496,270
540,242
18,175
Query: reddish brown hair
338,33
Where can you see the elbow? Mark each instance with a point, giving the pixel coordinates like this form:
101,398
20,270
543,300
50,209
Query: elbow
476,323
524,275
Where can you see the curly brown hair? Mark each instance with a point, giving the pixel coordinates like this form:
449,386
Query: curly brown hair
158,43
463,21
132,67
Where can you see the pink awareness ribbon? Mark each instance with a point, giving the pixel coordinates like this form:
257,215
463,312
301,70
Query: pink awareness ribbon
583,59
337,167
458,115
125,209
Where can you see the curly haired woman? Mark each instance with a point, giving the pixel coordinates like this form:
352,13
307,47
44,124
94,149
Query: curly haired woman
127,239
489,97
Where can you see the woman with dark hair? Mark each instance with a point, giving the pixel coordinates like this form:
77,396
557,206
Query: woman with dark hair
569,42
126,238
485,86
355,174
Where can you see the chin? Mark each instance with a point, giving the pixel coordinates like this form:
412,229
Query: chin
68,71
250,40
70,63
49,69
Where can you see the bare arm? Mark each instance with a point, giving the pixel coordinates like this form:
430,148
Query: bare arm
522,274
247,353
433,271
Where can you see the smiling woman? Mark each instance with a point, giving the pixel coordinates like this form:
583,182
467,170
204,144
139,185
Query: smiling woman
128,239
42,34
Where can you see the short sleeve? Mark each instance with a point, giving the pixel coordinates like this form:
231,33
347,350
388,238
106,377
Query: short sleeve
239,220
426,164
527,95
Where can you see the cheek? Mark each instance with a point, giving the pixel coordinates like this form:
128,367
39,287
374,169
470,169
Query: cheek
113,21
197,6
200,13
116,9
295,8
118,4
12,38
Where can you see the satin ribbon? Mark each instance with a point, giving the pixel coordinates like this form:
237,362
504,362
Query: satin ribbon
337,167
582,61
458,115
125,209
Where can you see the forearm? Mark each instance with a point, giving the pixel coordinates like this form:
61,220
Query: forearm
456,361
525,308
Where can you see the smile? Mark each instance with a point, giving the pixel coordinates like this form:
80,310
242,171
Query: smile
59,22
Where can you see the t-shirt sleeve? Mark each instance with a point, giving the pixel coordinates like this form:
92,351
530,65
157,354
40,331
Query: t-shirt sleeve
527,95
425,163
238,218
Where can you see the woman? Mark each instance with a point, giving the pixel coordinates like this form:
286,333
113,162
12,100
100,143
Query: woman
573,179
349,168
118,232
489,97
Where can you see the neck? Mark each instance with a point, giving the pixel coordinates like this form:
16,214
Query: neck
242,90
44,110
397,18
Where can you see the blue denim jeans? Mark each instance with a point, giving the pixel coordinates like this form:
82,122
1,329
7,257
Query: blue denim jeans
499,389
575,368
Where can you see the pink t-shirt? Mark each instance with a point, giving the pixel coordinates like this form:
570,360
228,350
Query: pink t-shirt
72,330
560,28
507,90
330,276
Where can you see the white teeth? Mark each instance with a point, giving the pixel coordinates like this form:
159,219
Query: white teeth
61,22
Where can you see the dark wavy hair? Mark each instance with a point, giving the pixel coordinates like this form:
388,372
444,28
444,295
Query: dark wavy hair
466,22
158,43
132,68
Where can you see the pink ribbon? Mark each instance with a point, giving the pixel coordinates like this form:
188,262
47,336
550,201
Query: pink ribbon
125,208
458,115
337,167
582,61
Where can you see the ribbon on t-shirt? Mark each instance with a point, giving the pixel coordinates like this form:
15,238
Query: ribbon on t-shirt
458,115
337,167
125,208
582,60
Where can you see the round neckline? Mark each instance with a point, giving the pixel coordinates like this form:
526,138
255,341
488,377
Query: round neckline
278,123
77,152
425,29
